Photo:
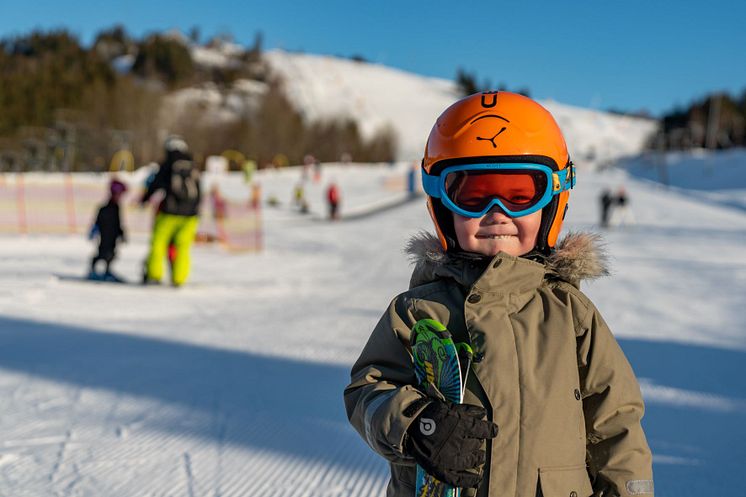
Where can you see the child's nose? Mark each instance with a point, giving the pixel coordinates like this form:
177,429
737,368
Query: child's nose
496,215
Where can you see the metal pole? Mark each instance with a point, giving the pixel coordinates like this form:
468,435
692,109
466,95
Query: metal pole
713,122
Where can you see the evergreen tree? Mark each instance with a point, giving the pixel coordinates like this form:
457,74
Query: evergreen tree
166,59
466,82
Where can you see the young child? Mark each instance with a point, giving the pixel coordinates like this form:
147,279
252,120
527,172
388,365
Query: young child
552,407
108,226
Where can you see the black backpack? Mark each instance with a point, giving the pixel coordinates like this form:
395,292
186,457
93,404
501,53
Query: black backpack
184,181
183,191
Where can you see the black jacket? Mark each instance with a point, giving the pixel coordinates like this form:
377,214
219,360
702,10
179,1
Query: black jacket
179,178
109,224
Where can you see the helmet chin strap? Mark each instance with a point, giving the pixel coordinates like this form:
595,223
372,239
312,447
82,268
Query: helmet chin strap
547,217
445,224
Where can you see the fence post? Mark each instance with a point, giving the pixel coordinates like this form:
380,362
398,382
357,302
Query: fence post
21,203
70,202
258,228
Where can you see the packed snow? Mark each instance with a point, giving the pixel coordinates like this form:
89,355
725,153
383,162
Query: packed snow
232,385
712,176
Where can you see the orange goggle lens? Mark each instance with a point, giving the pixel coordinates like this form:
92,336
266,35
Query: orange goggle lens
474,191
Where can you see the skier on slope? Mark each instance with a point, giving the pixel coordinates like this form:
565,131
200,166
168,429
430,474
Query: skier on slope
177,218
546,370
108,228
332,199
606,202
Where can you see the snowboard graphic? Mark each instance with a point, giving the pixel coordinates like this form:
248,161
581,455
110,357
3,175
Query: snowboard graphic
441,364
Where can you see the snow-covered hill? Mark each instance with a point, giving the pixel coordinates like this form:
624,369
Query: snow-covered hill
377,96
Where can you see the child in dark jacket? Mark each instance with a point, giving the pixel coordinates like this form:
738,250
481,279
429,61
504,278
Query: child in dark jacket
108,227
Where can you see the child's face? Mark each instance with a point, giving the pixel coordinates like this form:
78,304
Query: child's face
497,232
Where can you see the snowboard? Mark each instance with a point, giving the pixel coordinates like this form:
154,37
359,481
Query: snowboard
105,277
441,365
92,278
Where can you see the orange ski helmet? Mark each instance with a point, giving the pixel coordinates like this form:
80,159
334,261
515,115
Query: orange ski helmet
496,127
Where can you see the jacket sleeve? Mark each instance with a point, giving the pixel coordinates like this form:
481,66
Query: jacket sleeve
121,234
160,182
95,229
381,387
619,459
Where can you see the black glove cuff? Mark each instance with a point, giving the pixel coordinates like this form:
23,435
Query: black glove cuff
416,406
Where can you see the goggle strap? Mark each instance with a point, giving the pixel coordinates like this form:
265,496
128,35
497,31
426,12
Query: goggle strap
430,185
563,180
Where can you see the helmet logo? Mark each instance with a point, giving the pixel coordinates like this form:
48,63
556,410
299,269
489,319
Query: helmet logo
492,140
493,100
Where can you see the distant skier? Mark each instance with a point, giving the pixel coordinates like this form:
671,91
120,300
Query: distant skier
219,204
219,214
154,167
308,162
411,175
299,197
622,215
248,169
332,198
177,218
607,202
316,170
108,228
255,200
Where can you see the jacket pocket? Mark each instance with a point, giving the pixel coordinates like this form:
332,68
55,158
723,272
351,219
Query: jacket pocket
567,481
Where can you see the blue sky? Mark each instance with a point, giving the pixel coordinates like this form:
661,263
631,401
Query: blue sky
628,55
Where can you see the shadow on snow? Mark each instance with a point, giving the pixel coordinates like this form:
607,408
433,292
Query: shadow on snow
295,407
698,441
232,397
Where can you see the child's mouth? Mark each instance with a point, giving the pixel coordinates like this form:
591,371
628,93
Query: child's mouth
496,237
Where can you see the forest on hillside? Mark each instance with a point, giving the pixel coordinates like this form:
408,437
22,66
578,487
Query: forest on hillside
68,106
65,106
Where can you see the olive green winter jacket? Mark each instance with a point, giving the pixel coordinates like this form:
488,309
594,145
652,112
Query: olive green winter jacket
546,368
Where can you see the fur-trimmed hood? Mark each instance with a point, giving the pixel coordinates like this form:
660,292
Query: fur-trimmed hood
578,256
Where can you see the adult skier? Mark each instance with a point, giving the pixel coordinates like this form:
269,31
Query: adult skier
178,215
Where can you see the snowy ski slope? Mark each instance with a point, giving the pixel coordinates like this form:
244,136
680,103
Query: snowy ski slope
232,385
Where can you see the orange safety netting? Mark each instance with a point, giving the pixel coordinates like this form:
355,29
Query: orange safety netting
59,204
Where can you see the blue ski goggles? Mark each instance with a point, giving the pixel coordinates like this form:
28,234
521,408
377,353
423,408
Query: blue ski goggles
519,189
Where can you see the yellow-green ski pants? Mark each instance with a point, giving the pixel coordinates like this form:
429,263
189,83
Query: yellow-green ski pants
180,230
